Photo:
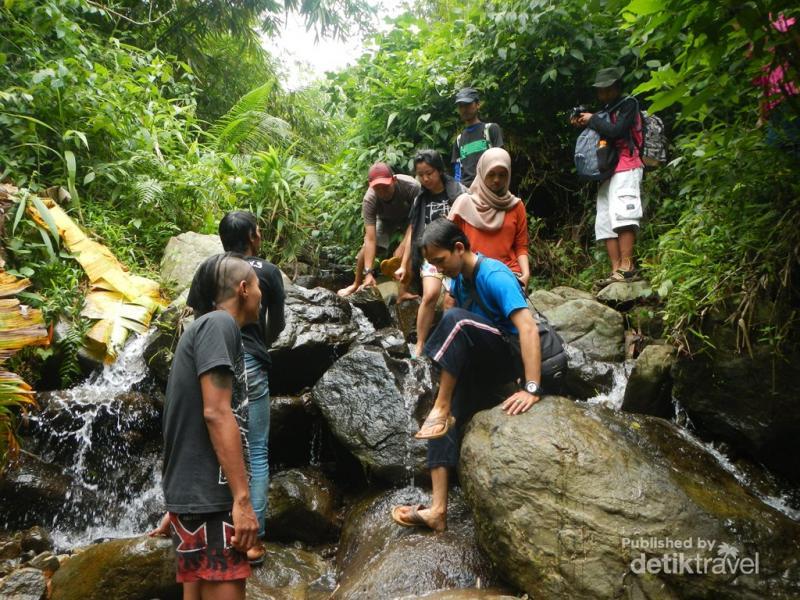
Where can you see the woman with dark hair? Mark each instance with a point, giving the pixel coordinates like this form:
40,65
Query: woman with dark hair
493,218
439,191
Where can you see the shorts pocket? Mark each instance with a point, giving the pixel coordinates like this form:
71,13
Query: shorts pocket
627,204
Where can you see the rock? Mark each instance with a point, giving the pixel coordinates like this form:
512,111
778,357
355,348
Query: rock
649,389
139,568
592,327
586,379
748,401
288,574
543,300
370,402
406,561
406,318
604,485
291,429
46,561
570,293
389,291
32,491
183,255
36,539
23,584
646,321
302,506
319,328
88,362
389,339
160,348
623,295
464,594
370,301
10,547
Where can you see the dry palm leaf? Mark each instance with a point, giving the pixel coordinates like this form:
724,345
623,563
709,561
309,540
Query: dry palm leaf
20,326
120,301
11,286
15,395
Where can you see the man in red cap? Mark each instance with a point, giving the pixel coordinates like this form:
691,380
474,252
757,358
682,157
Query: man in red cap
385,209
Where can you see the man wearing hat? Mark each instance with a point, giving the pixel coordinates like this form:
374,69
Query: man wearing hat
619,203
385,209
476,138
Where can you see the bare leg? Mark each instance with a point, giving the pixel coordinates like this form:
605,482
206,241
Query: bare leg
436,515
359,275
223,590
191,591
447,385
612,247
627,238
431,288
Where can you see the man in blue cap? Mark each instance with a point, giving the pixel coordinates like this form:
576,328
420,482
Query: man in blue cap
476,138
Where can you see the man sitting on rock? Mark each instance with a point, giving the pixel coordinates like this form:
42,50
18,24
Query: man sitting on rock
239,233
385,209
478,347
205,484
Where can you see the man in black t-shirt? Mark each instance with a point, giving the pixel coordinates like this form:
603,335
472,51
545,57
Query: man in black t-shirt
476,138
239,232
205,425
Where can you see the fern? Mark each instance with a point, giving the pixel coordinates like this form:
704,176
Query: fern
248,127
148,190
69,346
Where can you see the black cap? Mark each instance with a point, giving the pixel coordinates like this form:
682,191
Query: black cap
467,95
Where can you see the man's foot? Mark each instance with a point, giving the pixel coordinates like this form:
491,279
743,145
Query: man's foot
419,516
350,289
418,349
407,296
435,426
255,555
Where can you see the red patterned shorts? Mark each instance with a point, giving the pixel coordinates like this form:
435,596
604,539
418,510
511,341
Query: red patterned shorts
203,546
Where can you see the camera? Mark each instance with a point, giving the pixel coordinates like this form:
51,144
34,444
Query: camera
576,111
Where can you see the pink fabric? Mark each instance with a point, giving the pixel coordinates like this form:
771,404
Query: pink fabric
628,161
773,82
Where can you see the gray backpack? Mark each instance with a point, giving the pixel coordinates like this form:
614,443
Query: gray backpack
654,148
595,157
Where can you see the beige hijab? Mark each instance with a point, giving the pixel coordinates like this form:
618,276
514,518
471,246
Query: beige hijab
481,207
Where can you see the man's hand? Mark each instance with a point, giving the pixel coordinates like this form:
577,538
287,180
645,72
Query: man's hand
524,279
400,274
519,402
163,528
583,120
369,281
245,525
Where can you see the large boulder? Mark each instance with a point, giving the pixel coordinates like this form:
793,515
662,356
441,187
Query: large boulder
649,389
590,326
579,502
543,300
183,255
302,506
139,568
463,594
290,574
320,326
586,378
371,403
406,562
292,423
748,400
623,295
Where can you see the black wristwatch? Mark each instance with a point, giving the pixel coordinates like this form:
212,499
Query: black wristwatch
532,388
373,272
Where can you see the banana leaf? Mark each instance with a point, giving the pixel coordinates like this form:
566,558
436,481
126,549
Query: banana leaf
20,326
116,316
15,395
11,286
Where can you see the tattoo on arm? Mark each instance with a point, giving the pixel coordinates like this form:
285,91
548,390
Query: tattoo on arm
221,378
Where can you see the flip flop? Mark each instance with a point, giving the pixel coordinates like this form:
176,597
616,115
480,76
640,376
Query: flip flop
444,422
414,520
255,555
390,265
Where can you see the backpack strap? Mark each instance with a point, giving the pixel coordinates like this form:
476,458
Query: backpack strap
486,134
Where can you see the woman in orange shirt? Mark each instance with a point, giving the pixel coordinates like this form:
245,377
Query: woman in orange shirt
493,218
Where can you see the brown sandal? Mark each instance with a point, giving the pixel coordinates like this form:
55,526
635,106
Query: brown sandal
444,422
414,519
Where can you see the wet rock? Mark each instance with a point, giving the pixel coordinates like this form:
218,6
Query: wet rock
389,291
302,506
319,328
36,539
406,318
404,561
183,255
46,561
23,584
32,491
389,339
649,389
622,295
288,574
160,348
10,547
465,594
604,477
370,301
291,429
370,402
593,328
748,400
586,379
139,568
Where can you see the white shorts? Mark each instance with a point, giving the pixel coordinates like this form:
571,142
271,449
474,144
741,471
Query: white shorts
619,204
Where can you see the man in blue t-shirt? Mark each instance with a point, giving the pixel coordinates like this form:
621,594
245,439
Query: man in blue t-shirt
474,344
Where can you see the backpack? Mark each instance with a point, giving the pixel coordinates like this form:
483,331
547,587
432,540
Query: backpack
596,157
486,136
654,146
486,139
553,355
